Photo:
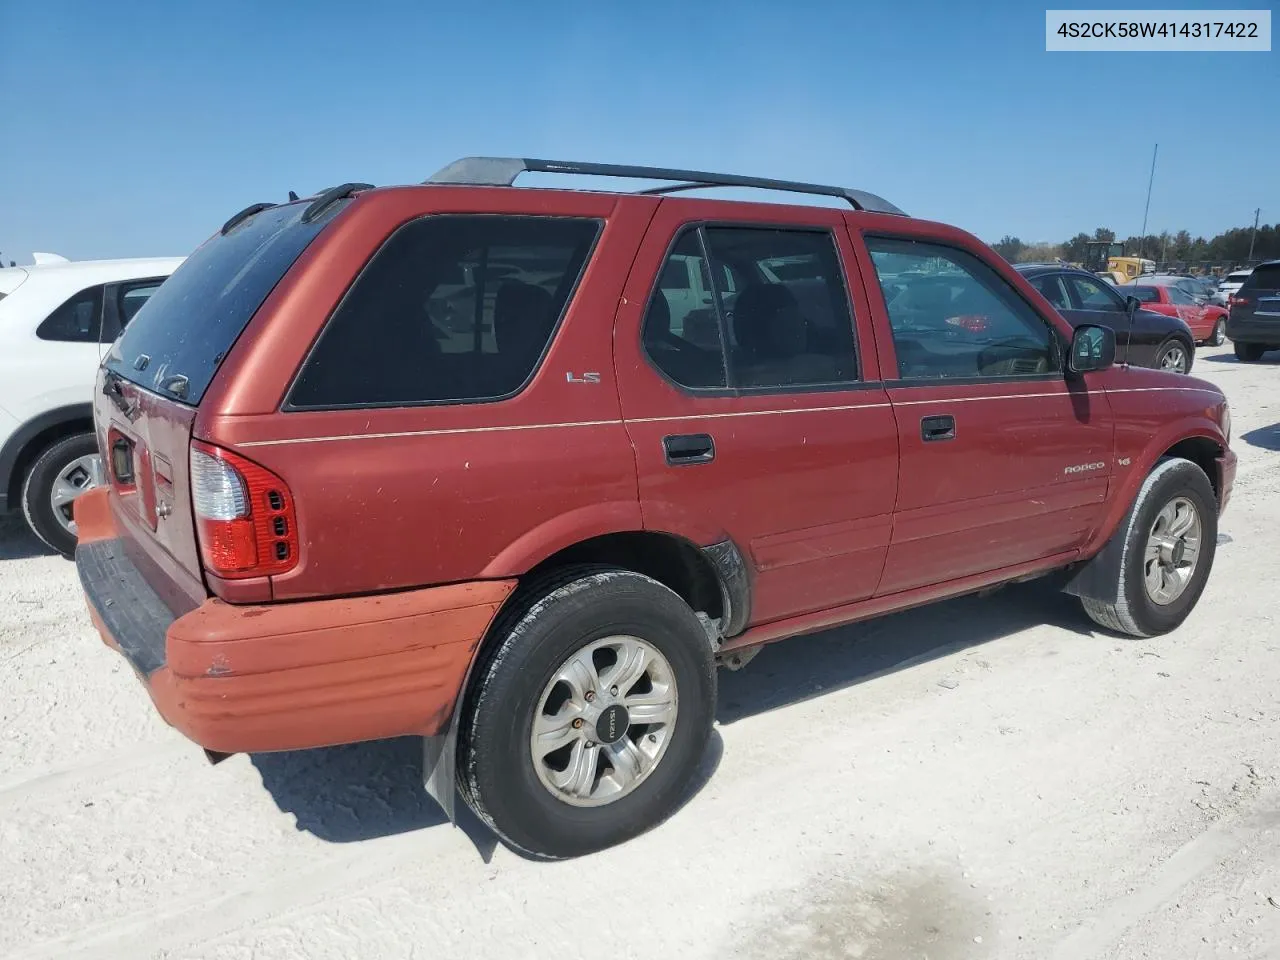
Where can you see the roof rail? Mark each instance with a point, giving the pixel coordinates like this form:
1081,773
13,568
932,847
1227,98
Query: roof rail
502,172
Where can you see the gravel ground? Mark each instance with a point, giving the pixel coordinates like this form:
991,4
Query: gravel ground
982,778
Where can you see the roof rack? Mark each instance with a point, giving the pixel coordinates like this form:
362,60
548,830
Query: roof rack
502,172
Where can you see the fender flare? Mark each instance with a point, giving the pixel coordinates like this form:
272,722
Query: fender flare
1098,575
13,449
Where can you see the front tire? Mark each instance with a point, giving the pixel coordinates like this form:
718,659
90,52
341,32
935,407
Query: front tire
1249,352
1170,537
590,713
60,474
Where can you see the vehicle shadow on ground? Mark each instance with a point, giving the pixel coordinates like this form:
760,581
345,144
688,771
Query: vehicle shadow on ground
1268,438
802,668
17,542
366,790
359,792
1271,357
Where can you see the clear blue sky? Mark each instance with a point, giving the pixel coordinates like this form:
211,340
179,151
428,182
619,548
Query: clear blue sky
136,128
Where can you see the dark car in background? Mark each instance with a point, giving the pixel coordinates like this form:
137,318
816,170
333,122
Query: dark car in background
1254,321
1143,338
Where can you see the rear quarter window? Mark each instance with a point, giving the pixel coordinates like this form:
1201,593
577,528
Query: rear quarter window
1266,277
180,335
76,320
451,309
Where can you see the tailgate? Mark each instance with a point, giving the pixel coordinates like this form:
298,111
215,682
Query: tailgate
145,440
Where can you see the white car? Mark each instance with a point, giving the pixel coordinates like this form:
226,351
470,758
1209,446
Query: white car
1232,282
57,319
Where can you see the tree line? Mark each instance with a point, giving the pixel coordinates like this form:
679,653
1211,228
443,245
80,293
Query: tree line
1230,247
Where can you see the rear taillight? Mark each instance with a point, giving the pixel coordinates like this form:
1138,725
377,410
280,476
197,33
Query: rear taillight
244,515
1234,301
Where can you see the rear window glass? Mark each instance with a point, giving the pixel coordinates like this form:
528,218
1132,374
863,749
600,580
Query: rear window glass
451,309
1145,294
181,334
1237,277
1265,277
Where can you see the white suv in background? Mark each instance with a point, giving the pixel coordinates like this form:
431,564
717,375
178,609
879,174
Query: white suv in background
57,318
1232,282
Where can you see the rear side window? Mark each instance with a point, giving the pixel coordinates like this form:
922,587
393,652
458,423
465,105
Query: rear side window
1144,294
776,317
179,337
450,309
1265,277
77,320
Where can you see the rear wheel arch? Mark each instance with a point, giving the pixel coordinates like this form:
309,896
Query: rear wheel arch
712,580
33,438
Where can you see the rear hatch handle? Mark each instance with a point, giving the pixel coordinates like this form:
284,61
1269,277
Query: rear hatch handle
111,389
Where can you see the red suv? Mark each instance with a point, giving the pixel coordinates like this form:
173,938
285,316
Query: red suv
516,469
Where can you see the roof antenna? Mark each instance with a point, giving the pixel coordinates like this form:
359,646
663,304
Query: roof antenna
292,196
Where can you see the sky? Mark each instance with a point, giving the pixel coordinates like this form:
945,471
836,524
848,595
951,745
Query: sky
137,128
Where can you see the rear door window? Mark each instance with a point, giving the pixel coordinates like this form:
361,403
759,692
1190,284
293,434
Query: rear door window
1093,294
777,319
179,337
451,309
1053,290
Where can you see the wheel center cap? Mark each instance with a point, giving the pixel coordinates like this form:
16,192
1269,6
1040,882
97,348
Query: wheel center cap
612,723
1179,549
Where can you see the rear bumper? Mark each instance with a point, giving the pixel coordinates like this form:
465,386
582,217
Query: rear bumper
1226,478
286,676
1266,332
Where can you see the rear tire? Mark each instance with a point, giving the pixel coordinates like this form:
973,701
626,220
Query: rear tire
1249,352
547,632
1219,334
1174,356
68,467
1146,602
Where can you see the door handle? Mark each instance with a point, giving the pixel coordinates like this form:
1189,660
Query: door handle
686,448
937,428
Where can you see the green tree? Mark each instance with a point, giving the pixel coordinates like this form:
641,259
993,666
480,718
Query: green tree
1008,247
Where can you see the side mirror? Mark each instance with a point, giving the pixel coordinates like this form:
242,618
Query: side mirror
1092,348
1132,305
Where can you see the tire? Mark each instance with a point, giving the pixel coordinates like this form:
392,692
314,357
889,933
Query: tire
1249,352
79,451
545,625
1175,356
1135,611
1219,336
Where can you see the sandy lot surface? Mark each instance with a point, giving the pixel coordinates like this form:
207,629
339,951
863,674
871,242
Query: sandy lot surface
984,778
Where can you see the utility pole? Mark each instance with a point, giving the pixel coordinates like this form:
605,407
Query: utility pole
1253,236
1142,242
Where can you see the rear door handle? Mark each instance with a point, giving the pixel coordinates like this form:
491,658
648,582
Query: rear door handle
937,428
686,448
